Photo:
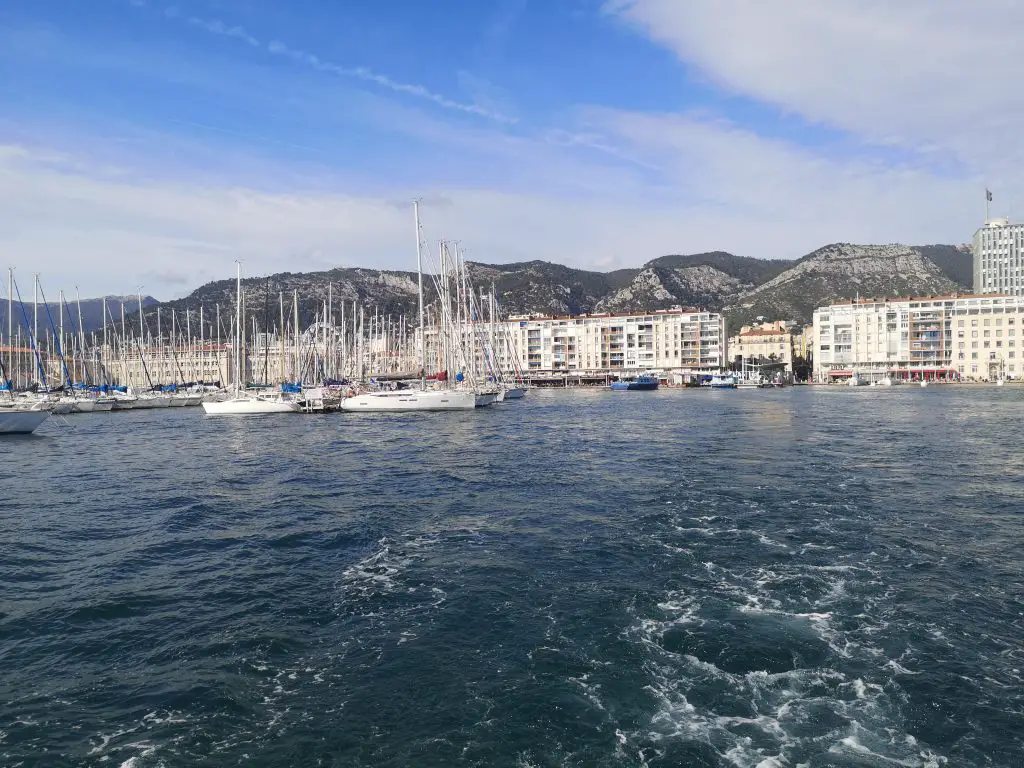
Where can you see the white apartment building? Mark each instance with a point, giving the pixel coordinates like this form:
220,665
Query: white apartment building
931,337
999,258
672,341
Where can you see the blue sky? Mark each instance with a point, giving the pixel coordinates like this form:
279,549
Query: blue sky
165,139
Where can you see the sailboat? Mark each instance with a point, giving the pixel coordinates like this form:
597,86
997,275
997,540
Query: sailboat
421,399
242,403
19,417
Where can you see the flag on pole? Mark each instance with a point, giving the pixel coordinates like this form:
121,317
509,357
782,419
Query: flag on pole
988,196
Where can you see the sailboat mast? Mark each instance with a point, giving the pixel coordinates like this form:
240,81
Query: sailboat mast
298,348
238,322
419,272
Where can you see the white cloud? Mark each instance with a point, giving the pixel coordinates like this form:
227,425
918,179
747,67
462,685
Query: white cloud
718,187
932,75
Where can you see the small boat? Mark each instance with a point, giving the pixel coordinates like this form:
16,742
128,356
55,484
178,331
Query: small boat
515,393
725,381
924,382
643,382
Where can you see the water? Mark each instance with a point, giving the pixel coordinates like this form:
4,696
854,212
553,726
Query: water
816,577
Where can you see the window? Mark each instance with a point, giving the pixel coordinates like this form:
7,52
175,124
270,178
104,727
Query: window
974,334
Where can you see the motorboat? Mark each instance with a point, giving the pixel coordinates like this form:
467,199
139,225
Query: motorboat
643,382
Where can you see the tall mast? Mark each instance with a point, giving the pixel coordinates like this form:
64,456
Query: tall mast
81,334
103,362
298,346
419,272
124,344
35,311
202,346
10,318
280,332
238,322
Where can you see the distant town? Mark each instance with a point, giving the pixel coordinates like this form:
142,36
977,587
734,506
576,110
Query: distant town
950,337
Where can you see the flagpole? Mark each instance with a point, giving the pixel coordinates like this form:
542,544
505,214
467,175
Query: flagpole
988,199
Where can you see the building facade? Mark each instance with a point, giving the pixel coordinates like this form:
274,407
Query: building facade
764,343
948,338
998,264
684,341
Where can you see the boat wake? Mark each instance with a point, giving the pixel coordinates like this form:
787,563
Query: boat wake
776,664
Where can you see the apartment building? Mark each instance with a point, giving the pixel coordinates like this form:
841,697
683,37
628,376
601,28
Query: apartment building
932,337
672,341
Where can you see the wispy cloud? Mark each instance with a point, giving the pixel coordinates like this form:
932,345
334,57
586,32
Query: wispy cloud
220,28
362,73
368,75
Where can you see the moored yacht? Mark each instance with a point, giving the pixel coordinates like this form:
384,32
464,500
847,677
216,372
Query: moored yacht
240,402
21,418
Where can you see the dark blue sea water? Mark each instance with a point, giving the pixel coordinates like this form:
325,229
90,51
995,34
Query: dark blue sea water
804,577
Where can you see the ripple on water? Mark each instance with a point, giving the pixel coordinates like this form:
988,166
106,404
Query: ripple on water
577,579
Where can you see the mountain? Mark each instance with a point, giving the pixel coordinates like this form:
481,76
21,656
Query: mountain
92,313
844,270
700,280
741,287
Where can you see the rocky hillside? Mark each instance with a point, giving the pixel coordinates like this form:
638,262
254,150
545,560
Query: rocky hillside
743,287
843,270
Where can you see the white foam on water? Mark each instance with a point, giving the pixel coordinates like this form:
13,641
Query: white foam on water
375,574
787,722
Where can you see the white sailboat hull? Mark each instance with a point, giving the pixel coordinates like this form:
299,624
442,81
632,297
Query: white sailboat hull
103,404
21,421
515,393
247,406
83,406
486,398
410,400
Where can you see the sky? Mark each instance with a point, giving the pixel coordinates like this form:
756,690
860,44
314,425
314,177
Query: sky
152,143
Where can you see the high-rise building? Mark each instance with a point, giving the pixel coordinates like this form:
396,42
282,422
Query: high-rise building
999,258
